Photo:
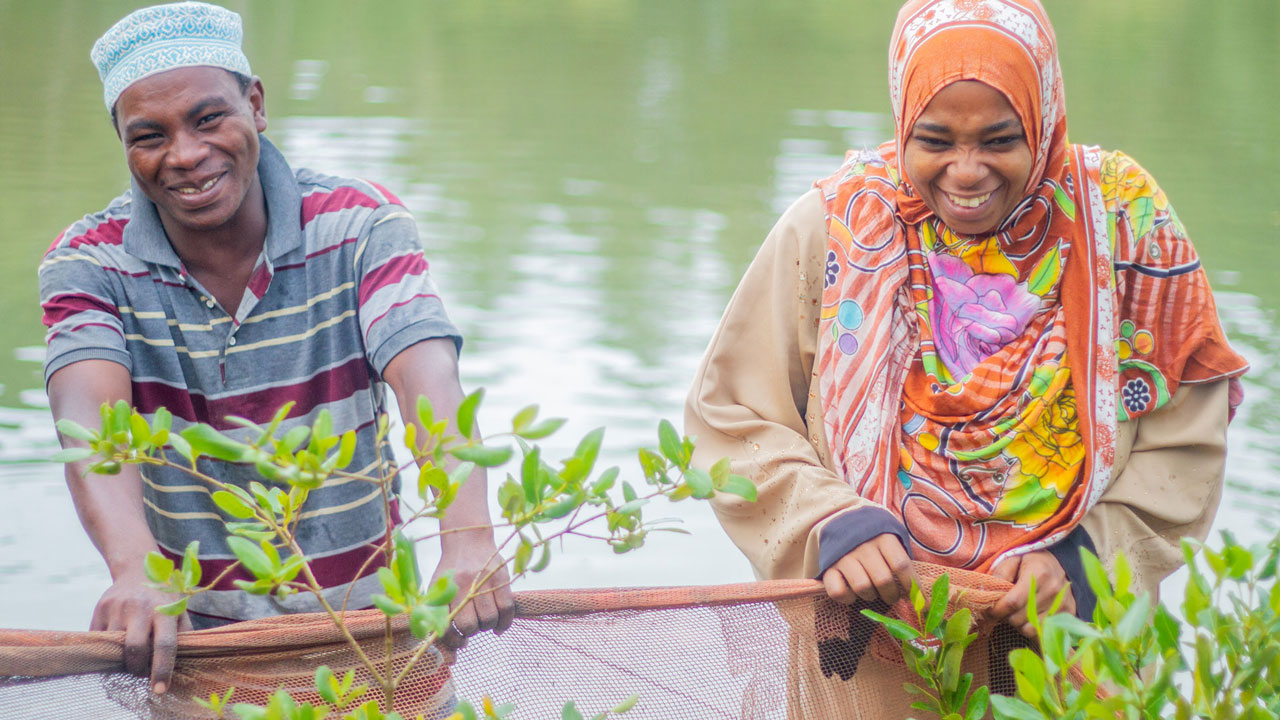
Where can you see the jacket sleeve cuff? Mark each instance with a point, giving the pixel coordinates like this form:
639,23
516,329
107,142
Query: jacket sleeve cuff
1067,552
850,529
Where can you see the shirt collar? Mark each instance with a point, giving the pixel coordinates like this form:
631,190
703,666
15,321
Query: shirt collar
145,238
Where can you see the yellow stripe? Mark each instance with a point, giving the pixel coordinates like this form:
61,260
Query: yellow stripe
301,308
182,515
393,216
292,338
174,488
375,495
68,258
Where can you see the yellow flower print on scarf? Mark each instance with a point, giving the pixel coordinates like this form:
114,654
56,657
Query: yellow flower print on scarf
1046,458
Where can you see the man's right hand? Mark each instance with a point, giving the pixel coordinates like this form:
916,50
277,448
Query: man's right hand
151,639
877,569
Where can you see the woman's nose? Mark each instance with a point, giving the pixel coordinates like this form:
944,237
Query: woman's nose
967,167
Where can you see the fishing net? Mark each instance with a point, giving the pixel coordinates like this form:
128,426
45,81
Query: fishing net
767,650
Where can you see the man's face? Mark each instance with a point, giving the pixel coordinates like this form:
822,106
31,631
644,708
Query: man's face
191,141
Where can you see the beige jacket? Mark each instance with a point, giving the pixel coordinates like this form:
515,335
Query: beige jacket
755,400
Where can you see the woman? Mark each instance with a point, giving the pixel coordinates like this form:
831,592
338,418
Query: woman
976,345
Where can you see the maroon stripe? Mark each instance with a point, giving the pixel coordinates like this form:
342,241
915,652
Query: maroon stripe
260,280
110,232
340,199
316,254
151,396
326,386
396,305
392,198
61,307
391,272
259,406
329,571
56,242
85,325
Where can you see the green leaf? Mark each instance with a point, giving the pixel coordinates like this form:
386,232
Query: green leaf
327,684
740,486
939,595
625,705
699,481
720,473
232,505
543,560
428,619
251,556
898,629
562,507
669,443
176,607
529,476
389,607
483,456
293,439
604,483
158,567
957,628
207,441
139,429
1007,708
467,413
442,590
181,446
161,420
524,418
426,413
191,571
71,454
570,712
542,429
1135,619
522,555
1168,631
589,449
347,449
76,431
1239,561
1095,573
978,702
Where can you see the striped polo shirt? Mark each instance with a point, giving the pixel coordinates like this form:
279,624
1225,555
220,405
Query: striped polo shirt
341,287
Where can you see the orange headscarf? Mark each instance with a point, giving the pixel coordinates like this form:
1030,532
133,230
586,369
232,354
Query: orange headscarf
1008,453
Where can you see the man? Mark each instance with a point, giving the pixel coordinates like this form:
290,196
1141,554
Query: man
225,283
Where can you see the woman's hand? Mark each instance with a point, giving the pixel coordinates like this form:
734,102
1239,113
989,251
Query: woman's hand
878,568
1050,579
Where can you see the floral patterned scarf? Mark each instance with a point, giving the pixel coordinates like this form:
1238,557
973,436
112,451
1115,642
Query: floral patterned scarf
973,385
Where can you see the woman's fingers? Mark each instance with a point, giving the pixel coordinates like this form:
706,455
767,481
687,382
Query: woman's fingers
899,562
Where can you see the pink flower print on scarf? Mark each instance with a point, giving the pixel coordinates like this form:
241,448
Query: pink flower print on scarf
973,316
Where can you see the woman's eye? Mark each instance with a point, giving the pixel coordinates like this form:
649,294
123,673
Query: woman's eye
143,139
1004,140
932,142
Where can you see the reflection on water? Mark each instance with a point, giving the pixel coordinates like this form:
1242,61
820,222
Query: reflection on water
590,180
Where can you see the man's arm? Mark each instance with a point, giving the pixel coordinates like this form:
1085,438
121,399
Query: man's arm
430,368
110,509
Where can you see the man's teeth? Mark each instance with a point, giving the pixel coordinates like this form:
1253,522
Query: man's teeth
968,202
202,188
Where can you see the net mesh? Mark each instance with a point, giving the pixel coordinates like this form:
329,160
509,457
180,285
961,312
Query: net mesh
776,649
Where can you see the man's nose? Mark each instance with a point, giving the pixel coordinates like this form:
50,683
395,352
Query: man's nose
187,151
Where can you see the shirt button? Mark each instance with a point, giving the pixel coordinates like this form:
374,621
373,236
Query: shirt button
209,303
231,341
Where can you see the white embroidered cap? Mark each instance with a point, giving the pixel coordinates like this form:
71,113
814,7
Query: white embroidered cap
164,37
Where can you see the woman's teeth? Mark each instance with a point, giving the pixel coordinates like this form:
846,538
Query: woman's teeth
968,202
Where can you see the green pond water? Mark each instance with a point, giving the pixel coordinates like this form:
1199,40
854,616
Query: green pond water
591,177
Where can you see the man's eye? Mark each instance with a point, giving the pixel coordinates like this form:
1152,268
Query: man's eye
209,118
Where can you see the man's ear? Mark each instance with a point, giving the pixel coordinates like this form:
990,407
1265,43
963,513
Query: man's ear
257,101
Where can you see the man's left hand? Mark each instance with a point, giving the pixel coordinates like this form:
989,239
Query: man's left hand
1050,579
472,555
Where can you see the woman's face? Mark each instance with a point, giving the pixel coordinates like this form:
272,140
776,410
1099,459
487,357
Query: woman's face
968,157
